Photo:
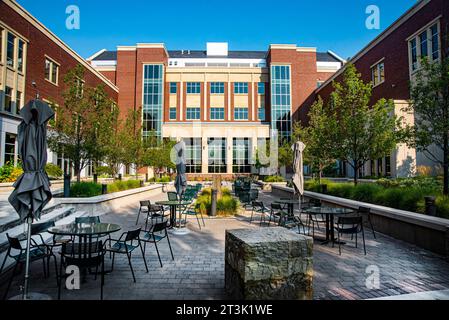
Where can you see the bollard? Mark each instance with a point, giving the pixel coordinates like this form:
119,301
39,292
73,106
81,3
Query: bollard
95,178
431,208
324,188
104,189
66,185
213,206
146,177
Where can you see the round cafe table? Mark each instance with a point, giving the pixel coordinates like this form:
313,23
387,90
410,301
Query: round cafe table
174,205
330,213
85,232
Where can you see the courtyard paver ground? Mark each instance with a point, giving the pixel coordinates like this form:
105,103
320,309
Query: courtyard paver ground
198,269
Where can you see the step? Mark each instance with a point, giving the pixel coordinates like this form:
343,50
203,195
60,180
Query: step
55,214
61,216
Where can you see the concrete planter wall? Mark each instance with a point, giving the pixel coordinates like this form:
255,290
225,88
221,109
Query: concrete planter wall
427,232
106,203
266,186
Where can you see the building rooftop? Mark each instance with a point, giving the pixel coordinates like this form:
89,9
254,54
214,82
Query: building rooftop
202,54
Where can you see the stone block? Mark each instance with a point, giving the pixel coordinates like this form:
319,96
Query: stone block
268,263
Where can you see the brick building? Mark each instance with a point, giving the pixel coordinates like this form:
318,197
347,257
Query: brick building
390,62
221,102
33,60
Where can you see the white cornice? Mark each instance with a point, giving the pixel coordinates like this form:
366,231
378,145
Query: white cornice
36,23
95,55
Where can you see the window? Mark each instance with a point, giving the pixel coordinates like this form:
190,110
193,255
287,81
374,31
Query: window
153,100
51,71
424,45
193,155
217,87
8,99
172,113
193,113
240,87
1,45
18,101
217,113
261,88
173,87
193,87
281,101
241,156
435,42
414,54
10,148
423,42
216,155
10,50
79,88
261,114
378,73
20,56
240,113
54,107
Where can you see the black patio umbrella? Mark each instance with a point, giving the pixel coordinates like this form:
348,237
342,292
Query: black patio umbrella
181,179
32,189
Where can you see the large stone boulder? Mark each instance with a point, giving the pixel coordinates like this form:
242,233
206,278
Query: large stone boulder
268,263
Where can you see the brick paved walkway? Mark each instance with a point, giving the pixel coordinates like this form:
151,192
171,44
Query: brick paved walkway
198,269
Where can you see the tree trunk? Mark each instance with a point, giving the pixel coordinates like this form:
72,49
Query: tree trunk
446,165
356,173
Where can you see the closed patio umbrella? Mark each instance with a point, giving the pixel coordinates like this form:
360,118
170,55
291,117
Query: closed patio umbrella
32,189
181,179
298,176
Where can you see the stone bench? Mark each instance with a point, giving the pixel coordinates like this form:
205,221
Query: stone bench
268,263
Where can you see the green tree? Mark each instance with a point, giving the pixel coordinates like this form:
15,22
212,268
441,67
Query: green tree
319,137
430,104
132,140
157,154
82,122
364,132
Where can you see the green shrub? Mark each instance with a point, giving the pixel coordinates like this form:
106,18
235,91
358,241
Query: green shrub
123,185
274,179
364,192
226,204
53,171
103,171
85,190
442,203
10,173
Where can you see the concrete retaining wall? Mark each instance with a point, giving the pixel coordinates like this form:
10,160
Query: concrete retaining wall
427,232
106,203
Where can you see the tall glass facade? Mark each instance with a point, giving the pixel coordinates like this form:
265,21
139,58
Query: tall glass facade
153,100
193,155
241,158
281,107
217,155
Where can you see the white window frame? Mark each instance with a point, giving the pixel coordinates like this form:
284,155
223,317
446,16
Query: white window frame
52,64
417,38
375,67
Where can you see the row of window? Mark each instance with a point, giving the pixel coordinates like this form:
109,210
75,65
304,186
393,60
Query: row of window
217,87
425,45
241,155
217,113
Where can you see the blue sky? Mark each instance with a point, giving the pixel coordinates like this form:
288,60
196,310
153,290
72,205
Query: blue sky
337,25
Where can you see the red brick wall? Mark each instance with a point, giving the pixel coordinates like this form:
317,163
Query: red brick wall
110,75
394,48
40,45
126,80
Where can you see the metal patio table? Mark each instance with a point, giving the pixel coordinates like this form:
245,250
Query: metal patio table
173,208
330,213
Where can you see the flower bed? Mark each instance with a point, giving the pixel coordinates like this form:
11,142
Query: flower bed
226,204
